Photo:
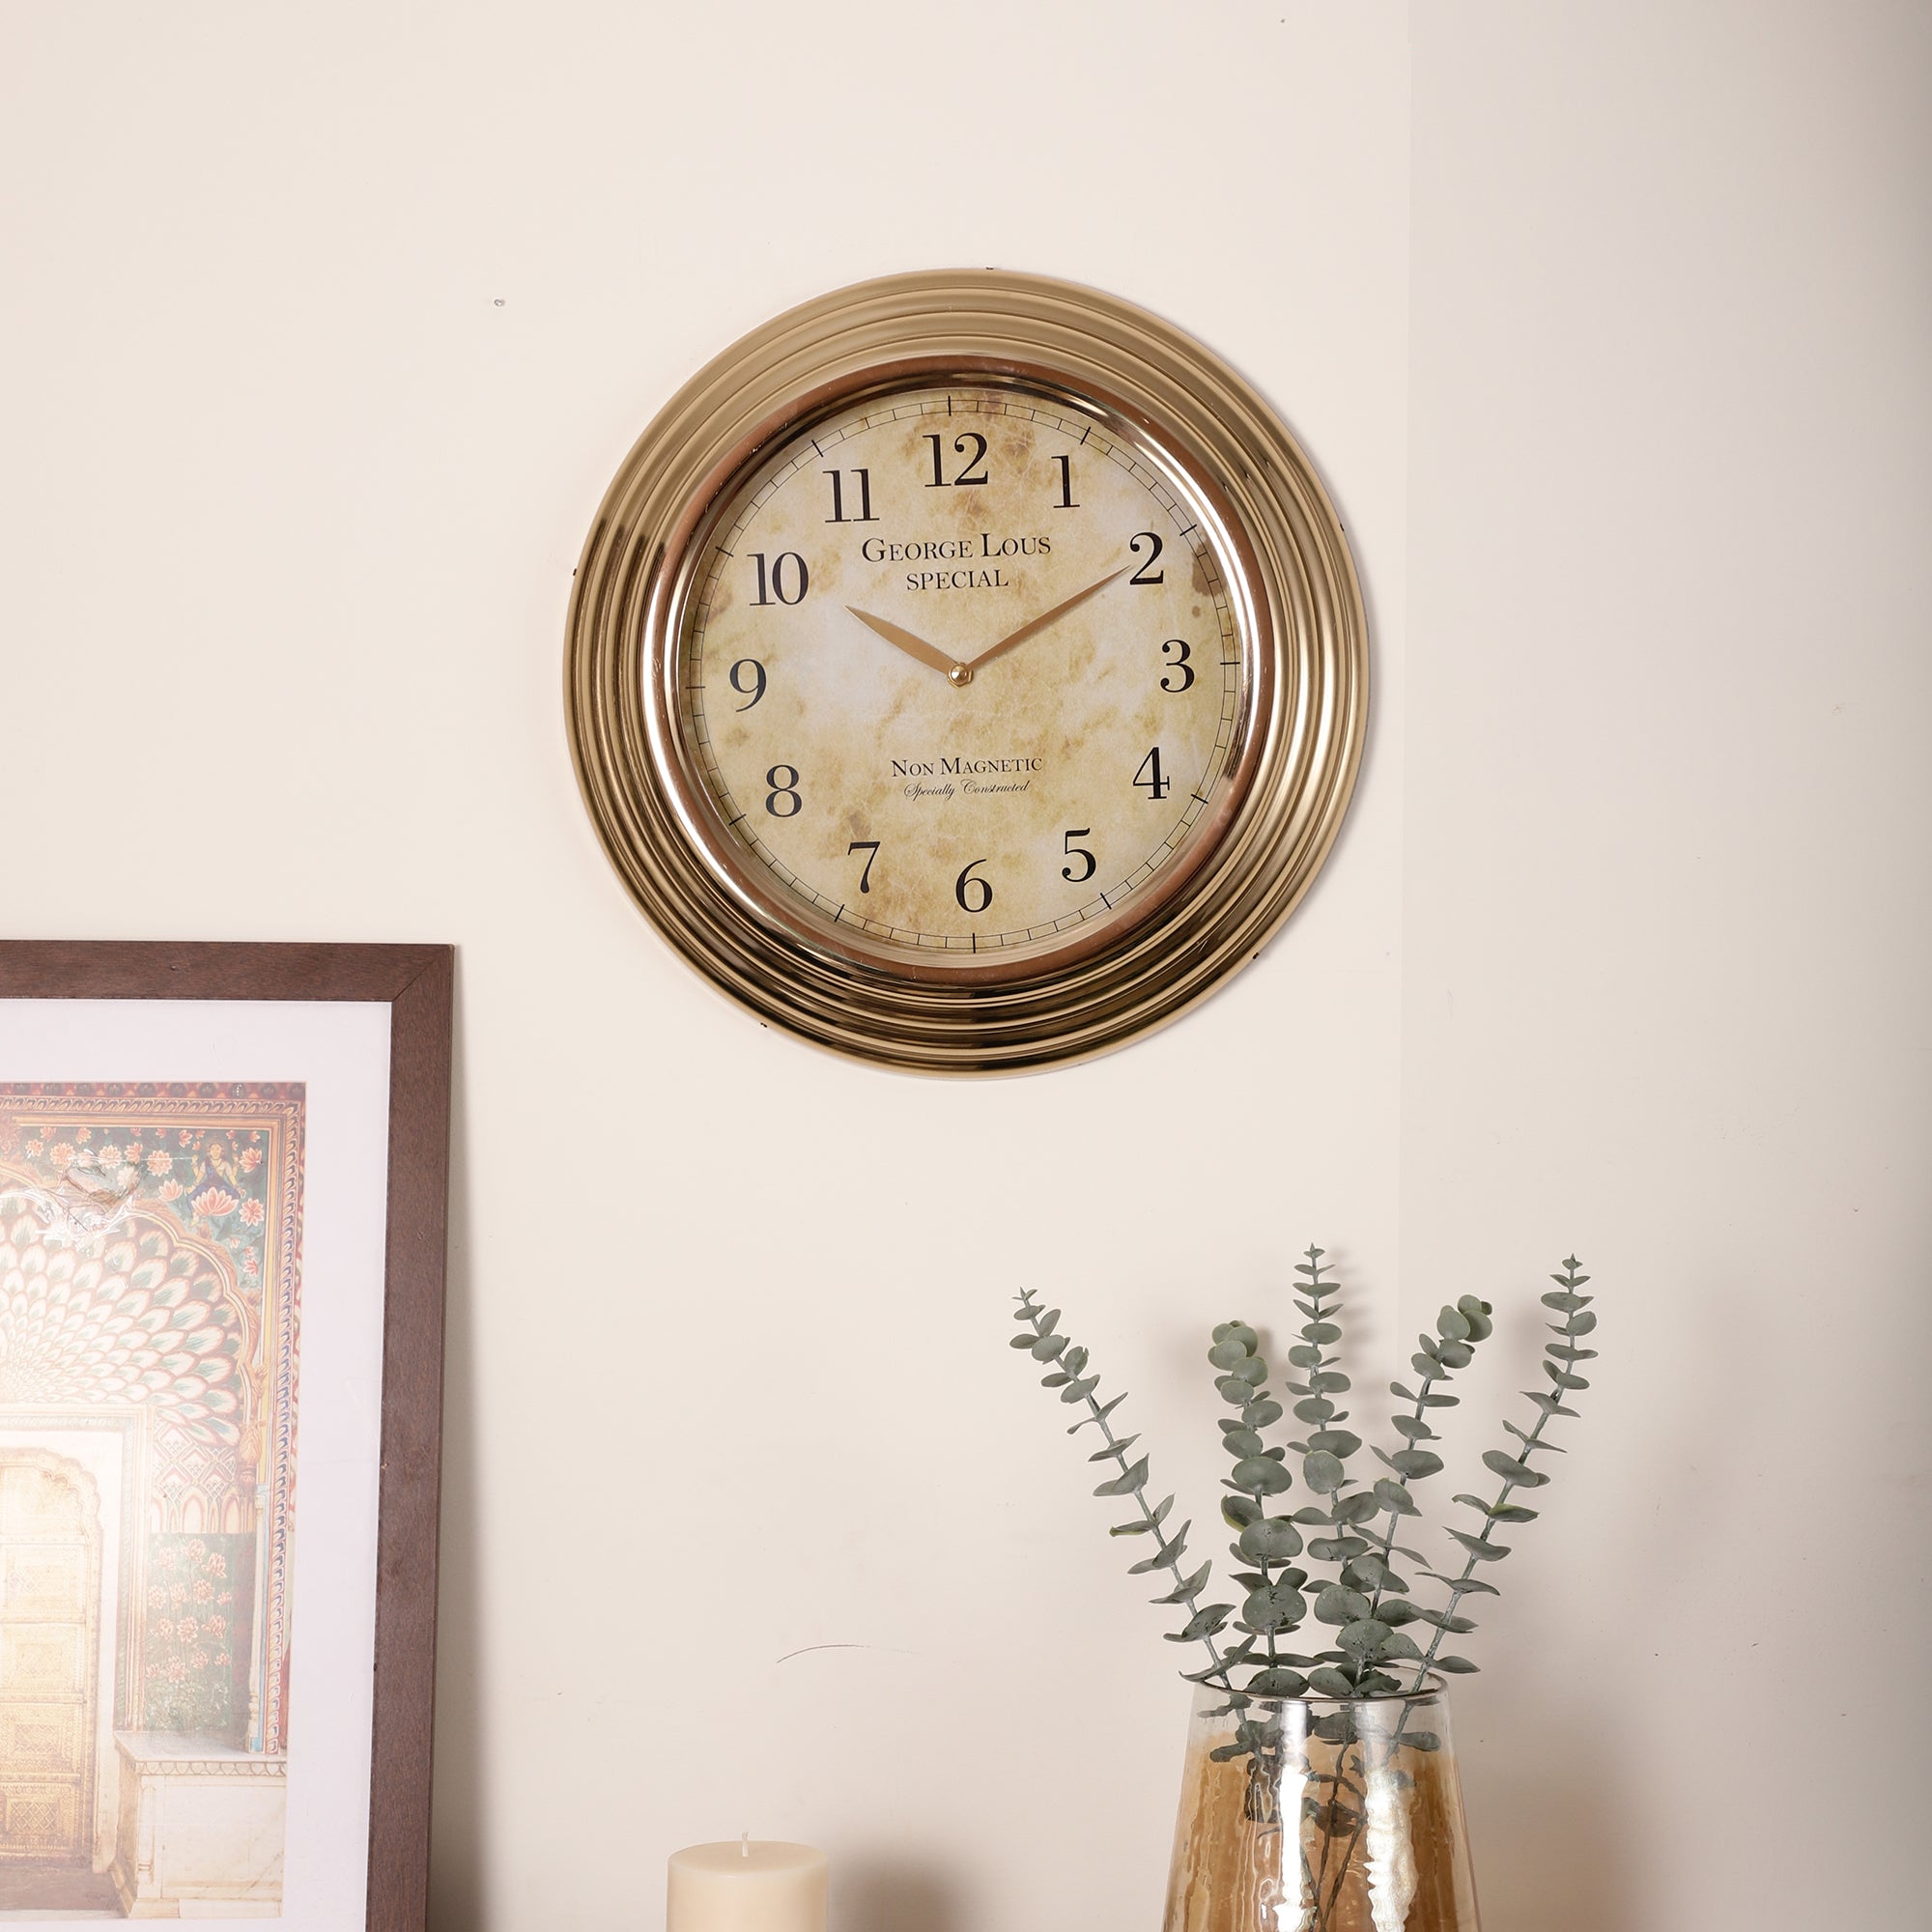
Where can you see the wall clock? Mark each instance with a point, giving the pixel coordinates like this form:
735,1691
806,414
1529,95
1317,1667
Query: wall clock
966,671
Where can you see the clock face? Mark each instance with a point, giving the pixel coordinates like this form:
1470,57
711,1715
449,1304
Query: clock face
963,676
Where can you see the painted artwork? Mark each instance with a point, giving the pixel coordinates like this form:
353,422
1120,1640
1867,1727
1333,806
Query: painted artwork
149,1276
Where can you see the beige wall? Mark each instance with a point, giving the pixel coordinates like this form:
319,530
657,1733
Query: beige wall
323,332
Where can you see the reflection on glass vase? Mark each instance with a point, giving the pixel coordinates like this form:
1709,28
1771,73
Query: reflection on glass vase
1320,1815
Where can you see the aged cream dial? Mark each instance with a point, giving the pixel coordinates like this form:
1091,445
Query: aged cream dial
962,672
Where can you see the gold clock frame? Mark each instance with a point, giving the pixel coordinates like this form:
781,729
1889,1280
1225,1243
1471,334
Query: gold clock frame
1291,774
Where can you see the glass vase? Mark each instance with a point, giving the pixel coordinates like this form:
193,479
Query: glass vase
1313,1814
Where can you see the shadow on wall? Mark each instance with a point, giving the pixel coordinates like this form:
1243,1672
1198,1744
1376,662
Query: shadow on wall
882,1894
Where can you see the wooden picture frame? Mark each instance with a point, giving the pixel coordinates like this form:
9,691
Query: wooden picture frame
416,984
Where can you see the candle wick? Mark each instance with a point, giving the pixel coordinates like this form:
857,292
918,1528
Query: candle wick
744,1844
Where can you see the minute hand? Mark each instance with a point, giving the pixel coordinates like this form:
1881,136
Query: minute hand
1045,618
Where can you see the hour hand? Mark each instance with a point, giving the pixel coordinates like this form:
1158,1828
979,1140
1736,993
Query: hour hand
916,647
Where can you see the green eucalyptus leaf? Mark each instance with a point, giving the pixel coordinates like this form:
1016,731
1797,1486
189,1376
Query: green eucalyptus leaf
1365,1637
1393,1496
1415,1464
1329,1381
1140,1528
1300,1357
1262,1475
1271,1540
1395,1644
1059,1378
1357,1509
1337,1549
1160,1510
1398,1610
1564,1302
1511,1513
1234,1389
1238,1511
1322,1472
1342,1442
1414,1427
1327,1683
1563,1379
1074,1361
1187,1587
1582,1323
1167,1557
1442,1621
1259,1415
1021,1340
1239,1442
1367,1572
1468,1587
1339,1605
1048,1347
1453,1325
1536,1441
1119,1447
1311,1516
1203,1623
1227,1355
1456,1354
1316,1408
1273,1608
1426,1366
1548,1403
1482,1550
1323,1332
1518,1473
1422,1741
1126,1481
1079,1389
1456,1666
1277,1682
1477,1314
1563,1353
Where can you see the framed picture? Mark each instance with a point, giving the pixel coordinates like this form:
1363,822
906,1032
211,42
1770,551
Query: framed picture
223,1205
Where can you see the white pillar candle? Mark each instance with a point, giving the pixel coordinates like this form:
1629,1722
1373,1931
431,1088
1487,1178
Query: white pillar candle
746,1887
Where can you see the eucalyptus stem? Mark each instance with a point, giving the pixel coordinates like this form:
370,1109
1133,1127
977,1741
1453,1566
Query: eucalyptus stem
1067,1372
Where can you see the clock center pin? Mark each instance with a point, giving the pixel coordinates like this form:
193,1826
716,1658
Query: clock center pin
961,674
